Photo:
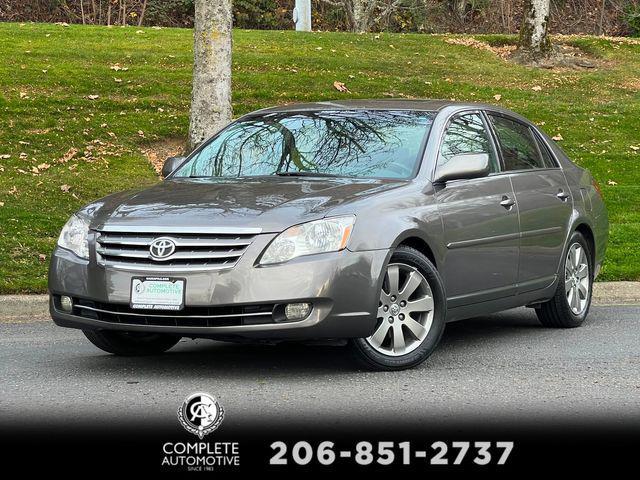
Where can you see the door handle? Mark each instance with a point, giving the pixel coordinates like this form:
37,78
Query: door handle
507,202
562,195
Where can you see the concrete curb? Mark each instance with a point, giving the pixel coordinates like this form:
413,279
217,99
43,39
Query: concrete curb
29,308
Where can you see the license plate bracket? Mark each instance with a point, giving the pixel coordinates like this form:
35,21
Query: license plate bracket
157,293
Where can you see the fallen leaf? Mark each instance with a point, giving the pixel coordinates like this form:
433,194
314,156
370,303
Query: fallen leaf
1,204
72,152
13,190
117,80
43,166
141,133
497,97
634,148
611,182
24,95
65,188
93,97
557,138
42,257
139,31
536,88
5,156
341,87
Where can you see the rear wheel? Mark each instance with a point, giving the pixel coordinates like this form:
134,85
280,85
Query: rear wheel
131,343
570,305
411,314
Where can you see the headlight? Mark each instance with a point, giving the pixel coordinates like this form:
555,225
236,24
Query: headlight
320,236
74,236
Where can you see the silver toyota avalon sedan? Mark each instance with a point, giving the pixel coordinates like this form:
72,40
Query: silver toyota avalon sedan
369,222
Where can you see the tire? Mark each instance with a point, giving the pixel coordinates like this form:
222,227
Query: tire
557,312
380,351
131,343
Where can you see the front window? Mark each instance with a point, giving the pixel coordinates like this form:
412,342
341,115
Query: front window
367,144
465,135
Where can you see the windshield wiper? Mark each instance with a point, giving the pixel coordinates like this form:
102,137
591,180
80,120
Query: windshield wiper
305,174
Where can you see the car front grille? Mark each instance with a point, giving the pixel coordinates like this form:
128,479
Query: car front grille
194,250
219,316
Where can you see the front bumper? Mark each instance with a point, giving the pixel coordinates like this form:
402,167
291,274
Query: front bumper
343,288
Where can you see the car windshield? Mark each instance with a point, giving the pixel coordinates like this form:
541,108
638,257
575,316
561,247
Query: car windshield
367,144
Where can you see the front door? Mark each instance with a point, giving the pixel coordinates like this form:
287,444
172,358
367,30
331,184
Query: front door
480,221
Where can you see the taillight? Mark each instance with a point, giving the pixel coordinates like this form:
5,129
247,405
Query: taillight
596,186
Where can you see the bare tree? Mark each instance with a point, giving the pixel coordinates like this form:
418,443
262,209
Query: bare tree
143,9
211,94
534,34
363,13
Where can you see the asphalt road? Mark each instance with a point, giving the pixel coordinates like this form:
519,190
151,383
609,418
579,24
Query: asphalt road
502,368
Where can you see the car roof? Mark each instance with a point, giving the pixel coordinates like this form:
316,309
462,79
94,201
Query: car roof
381,104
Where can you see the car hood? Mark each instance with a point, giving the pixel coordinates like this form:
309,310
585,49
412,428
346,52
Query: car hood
269,203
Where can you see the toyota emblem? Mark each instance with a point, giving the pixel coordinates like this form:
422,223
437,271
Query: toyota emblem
162,248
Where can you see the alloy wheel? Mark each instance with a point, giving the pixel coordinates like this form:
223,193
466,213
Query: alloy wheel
405,311
576,279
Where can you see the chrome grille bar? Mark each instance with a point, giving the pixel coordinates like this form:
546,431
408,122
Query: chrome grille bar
110,239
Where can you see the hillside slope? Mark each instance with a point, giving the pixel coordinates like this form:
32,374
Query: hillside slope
78,104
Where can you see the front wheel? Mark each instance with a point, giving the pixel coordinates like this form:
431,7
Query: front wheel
569,306
411,314
131,343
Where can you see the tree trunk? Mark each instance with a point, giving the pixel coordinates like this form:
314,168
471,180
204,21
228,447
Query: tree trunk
534,34
459,8
302,15
144,7
211,94
360,20
82,11
109,14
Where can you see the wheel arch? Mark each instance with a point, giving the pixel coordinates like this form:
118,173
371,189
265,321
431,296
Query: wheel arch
420,245
586,231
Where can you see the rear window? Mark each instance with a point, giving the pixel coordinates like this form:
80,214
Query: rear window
517,144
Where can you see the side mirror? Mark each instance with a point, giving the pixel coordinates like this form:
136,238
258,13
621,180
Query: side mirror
170,164
464,166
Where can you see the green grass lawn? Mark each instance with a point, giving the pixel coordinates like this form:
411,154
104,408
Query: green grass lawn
50,76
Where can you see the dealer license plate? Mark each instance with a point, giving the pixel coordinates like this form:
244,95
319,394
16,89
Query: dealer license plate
157,293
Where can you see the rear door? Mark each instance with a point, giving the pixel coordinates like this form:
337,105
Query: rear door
543,199
480,220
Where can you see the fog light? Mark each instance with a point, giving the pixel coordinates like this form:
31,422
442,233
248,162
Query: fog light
297,311
66,303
